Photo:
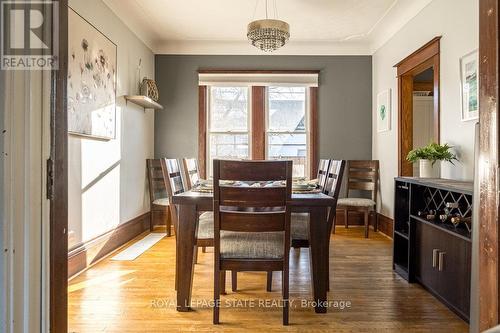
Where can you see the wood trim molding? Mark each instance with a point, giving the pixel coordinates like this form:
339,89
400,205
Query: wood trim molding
425,57
258,123
202,130
405,116
428,50
488,279
257,71
423,86
314,132
92,251
385,224
58,215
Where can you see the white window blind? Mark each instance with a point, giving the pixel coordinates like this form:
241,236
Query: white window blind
258,79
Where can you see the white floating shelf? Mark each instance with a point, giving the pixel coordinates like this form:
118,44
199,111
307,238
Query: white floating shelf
143,101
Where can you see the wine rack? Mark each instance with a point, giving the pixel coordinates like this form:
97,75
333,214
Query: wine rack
432,228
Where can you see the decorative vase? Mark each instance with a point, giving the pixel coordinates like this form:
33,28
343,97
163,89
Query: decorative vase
426,169
148,88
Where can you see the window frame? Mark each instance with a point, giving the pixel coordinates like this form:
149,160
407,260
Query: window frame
257,98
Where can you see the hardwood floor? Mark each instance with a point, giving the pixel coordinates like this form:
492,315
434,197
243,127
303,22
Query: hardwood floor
139,296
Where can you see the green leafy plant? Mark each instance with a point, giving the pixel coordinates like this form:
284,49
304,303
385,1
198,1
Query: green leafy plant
433,152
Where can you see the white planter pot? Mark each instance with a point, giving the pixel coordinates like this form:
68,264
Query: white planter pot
427,170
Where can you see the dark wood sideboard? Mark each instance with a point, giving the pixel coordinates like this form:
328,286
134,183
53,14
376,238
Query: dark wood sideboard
433,253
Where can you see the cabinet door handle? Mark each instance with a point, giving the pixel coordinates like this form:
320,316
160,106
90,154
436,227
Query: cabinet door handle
441,261
435,257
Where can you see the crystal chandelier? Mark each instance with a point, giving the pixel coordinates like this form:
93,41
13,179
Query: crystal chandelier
269,34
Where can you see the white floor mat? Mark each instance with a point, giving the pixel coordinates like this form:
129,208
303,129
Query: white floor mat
139,247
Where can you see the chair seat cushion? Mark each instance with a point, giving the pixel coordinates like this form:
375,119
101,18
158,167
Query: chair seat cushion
300,226
161,202
356,202
206,226
251,245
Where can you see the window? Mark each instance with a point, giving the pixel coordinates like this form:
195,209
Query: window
286,127
258,115
228,123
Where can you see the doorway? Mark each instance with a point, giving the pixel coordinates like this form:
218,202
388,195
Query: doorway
423,111
418,101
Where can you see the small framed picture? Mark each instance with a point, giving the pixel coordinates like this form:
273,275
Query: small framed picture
384,111
469,67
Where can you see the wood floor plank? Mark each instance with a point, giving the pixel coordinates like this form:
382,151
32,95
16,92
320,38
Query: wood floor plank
139,295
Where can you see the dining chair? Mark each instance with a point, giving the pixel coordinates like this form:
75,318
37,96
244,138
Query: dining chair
159,204
300,221
362,176
332,185
252,223
322,172
175,185
191,177
191,171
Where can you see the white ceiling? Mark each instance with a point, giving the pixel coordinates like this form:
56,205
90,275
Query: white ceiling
219,26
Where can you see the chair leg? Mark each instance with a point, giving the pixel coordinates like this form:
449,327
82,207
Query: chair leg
333,226
376,221
168,222
151,220
195,254
367,224
285,282
234,281
223,282
269,286
217,276
346,218
204,249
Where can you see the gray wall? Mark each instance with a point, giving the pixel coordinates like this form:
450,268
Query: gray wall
345,100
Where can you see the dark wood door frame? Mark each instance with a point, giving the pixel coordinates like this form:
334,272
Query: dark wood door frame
424,58
488,277
59,199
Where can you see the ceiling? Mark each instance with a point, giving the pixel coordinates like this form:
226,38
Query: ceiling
219,26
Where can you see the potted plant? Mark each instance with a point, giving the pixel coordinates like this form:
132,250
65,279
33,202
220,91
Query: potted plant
429,155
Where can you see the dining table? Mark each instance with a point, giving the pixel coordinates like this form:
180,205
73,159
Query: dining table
191,203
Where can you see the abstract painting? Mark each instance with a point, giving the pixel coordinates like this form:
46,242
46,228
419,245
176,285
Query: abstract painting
469,86
91,80
384,111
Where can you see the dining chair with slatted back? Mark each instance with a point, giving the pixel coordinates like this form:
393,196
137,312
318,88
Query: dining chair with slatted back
175,185
322,172
159,204
362,176
300,221
332,188
205,228
191,172
252,223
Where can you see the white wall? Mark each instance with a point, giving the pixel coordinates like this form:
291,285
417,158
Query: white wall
423,124
458,24
107,179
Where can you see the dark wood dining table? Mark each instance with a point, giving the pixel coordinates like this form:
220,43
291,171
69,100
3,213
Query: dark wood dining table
191,203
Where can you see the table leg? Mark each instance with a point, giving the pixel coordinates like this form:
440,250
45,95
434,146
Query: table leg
186,242
319,239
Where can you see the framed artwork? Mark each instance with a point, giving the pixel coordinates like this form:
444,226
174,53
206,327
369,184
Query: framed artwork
91,80
469,66
384,111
